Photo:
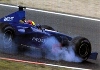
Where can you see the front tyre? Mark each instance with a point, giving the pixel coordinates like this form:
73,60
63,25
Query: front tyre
82,47
47,27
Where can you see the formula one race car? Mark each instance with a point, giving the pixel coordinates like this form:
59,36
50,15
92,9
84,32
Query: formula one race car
27,37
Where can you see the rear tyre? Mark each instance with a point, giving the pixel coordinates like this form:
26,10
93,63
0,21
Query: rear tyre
82,47
7,35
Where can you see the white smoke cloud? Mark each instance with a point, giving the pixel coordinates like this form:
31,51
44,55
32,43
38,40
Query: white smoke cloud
68,54
56,52
7,45
51,47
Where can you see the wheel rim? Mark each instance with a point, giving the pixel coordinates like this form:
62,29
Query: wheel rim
7,39
83,50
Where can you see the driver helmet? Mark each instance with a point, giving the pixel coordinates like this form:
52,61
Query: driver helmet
31,22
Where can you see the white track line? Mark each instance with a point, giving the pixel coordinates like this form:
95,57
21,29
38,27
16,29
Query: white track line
53,13
30,62
8,5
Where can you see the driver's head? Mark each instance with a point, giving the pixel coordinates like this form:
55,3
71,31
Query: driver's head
30,22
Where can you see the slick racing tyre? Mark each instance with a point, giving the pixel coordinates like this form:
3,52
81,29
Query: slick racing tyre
7,44
82,47
47,27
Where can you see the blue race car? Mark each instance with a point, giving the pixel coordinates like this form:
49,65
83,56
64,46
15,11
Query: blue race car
26,37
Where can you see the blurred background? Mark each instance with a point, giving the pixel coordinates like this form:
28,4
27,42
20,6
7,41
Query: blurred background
88,8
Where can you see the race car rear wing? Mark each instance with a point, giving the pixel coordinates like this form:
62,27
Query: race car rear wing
14,17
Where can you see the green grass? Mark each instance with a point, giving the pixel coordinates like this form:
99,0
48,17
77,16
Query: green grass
10,65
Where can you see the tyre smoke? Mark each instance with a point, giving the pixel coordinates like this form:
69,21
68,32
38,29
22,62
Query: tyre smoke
50,49
68,54
54,51
7,45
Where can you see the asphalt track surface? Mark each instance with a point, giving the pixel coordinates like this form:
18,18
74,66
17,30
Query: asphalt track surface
69,25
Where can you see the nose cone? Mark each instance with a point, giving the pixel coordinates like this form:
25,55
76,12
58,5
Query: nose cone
93,55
